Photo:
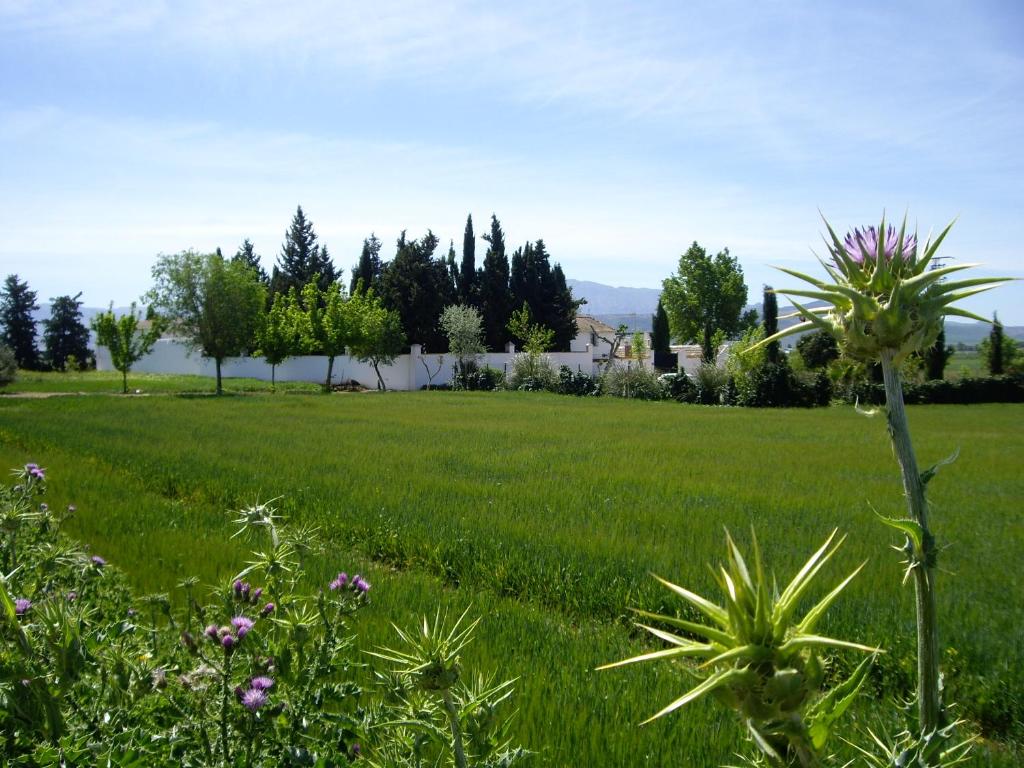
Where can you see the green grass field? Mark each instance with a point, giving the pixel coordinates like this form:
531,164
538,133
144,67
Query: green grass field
109,382
547,513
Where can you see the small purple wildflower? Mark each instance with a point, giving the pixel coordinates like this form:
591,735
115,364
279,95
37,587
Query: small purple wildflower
211,631
245,589
254,698
340,581
21,606
98,561
255,596
361,585
228,641
35,471
72,596
237,586
242,625
262,683
267,610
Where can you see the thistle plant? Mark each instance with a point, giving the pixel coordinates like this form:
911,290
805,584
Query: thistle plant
883,301
759,658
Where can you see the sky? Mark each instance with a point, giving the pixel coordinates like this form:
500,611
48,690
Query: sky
620,132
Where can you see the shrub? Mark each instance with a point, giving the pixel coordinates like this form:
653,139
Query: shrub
681,387
711,381
988,389
532,372
8,366
577,383
485,379
636,383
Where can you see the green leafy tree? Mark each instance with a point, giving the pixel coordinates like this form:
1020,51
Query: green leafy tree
998,351
467,282
326,323
126,338
418,287
212,303
818,349
17,303
302,259
366,275
492,283
638,348
705,296
661,338
277,337
535,282
533,337
65,337
246,254
464,328
379,338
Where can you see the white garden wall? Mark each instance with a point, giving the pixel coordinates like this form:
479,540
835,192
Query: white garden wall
407,372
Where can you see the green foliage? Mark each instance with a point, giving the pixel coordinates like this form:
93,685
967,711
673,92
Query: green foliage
965,391
474,379
212,303
936,357
577,383
632,382
531,372
758,658
379,338
467,277
366,275
712,382
660,335
534,283
703,297
246,254
463,326
65,337
535,338
277,333
125,339
17,303
418,287
818,349
327,323
302,260
493,286
8,365
999,351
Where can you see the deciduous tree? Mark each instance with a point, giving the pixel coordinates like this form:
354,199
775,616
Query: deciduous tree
705,296
379,339
326,323
464,328
277,336
126,338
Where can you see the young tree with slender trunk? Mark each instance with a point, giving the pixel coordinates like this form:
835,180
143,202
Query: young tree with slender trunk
126,339
326,323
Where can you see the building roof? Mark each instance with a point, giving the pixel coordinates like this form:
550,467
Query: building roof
588,324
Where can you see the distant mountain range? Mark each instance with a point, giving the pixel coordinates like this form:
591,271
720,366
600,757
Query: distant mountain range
633,307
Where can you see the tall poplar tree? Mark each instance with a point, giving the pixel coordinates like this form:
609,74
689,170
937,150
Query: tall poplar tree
492,283
770,310
17,303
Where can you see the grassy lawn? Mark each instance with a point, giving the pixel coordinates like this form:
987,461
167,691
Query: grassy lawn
547,513
109,382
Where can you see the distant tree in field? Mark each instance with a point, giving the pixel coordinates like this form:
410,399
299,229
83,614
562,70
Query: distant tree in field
277,336
125,338
213,303
493,289
467,268
704,299
246,254
661,338
8,365
366,275
325,323
418,287
818,349
65,337
533,337
379,338
17,303
534,282
638,348
770,311
937,356
998,351
464,328
301,259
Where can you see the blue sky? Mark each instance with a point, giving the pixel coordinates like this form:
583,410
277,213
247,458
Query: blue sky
618,132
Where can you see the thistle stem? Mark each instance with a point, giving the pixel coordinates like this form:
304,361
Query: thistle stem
929,707
453,719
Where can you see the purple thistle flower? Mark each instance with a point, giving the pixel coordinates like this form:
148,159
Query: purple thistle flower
72,596
254,698
262,683
242,625
340,581
362,585
211,631
237,586
245,589
21,606
34,470
255,596
98,561
267,610
228,641
861,246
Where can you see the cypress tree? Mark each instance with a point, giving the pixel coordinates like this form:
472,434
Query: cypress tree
937,356
660,337
467,270
65,336
995,347
369,267
770,309
492,281
418,287
17,303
